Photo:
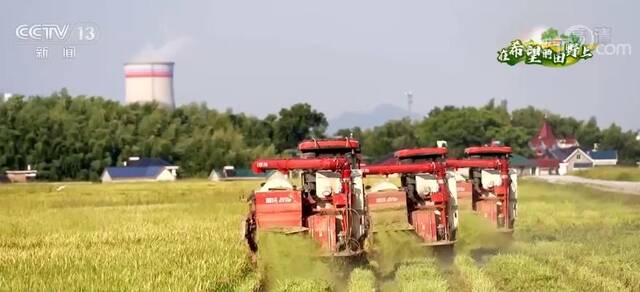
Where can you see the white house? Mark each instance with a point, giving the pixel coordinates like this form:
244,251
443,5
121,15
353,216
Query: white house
571,159
604,157
144,173
141,169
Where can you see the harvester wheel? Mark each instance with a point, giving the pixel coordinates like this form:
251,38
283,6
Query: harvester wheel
445,253
249,227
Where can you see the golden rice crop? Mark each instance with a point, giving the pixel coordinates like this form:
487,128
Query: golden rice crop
187,236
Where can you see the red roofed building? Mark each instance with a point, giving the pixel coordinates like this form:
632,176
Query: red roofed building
545,166
546,142
568,142
543,140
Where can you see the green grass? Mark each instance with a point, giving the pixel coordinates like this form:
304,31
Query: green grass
362,280
473,276
618,173
571,238
420,275
187,236
290,263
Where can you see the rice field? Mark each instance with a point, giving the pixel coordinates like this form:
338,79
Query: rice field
186,236
617,173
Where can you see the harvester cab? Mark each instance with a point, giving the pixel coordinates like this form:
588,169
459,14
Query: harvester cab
329,206
494,185
426,202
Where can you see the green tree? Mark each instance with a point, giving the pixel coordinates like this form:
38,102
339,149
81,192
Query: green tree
516,137
563,126
528,118
296,123
589,133
75,138
393,135
549,34
356,132
463,127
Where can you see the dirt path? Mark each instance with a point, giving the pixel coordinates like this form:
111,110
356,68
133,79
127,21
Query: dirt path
606,185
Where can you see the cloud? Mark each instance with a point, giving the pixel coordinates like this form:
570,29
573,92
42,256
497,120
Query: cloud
534,34
167,52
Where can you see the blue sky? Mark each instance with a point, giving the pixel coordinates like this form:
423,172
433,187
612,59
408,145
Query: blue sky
339,56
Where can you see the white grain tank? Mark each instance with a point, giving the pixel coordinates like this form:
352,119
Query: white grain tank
147,82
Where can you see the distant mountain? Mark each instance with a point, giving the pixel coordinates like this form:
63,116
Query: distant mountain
376,117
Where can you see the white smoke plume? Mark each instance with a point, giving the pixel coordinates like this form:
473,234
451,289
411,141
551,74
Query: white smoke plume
167,52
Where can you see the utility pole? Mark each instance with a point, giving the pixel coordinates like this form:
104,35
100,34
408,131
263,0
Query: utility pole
409,95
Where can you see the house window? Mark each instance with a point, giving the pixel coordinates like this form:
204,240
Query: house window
579,156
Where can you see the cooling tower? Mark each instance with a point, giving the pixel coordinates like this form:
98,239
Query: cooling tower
147,82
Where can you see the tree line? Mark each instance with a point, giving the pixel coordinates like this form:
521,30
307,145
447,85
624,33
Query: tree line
75,138
462,127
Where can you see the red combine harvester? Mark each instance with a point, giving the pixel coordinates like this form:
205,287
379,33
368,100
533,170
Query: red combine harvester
464,187
330,205
426,202
494,185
